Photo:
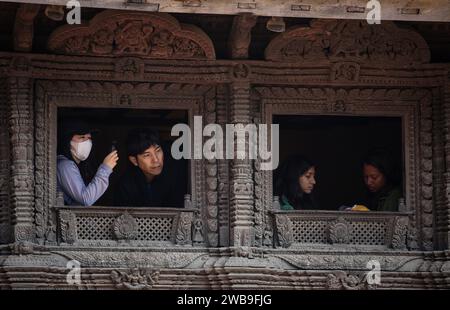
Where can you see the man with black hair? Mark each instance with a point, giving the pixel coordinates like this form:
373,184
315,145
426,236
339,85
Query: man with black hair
154,178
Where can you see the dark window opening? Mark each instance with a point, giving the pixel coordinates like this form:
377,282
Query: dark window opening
113,127
337,145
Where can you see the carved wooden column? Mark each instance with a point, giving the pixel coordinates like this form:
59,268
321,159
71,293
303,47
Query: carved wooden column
224,186
21,131
241,191
446,113
24,27
5,214
440,214
241,35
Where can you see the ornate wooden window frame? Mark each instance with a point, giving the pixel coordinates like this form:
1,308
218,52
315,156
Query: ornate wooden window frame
414,106
50,95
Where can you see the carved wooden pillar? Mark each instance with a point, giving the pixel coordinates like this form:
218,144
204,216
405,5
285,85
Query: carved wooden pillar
427,165
440,214
241,191
224,187
241,35
23,27
21,130
446,113
5,214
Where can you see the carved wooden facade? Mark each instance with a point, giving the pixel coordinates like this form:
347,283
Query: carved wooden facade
231,227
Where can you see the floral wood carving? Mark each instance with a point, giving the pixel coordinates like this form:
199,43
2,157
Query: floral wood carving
333,41
134,279
125,227
183,235
340,231
284,231
400,232
68,227
123,33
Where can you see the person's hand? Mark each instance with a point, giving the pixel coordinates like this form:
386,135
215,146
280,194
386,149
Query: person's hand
111,159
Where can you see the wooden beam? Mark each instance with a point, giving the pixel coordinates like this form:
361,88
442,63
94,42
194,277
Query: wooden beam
406,10
241,35
23,27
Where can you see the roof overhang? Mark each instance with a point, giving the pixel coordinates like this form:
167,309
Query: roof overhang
406,10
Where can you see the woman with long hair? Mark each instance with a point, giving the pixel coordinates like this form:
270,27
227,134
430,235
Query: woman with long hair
295,183
75,178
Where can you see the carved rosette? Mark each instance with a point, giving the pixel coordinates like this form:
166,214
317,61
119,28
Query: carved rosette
125,227
349,40
125,33
68,227
134,278
399,233
340,231
285,232
183,234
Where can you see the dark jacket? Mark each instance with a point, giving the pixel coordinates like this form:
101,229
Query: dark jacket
385,200
165,190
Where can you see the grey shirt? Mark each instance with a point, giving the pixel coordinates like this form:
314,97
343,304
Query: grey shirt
70,182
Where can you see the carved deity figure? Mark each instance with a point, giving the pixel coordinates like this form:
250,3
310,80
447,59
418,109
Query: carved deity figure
162,44
102,42
134,38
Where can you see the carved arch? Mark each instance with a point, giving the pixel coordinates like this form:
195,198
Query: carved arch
354,40
124,33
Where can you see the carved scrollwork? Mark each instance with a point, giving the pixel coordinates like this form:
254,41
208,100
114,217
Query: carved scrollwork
349,40
284,231
121,33
125,227
68,226
134,279
340,280
340,231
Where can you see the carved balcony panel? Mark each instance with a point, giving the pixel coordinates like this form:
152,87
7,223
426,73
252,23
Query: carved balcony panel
352,230
114,226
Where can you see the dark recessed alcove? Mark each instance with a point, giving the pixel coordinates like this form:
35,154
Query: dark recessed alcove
114,125
336,144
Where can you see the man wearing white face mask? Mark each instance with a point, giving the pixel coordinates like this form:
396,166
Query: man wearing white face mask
74,177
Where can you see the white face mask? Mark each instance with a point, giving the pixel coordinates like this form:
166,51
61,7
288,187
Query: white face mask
81,150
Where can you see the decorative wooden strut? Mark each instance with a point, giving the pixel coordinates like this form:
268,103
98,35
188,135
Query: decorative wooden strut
352,41
122,33
241,35
24,28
